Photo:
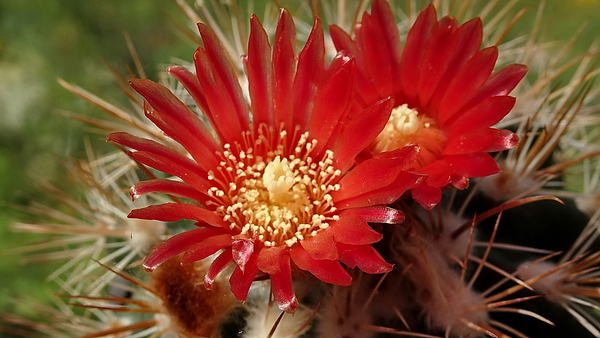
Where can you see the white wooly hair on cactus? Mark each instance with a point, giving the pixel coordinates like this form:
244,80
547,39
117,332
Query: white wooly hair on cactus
452,301
263,316
447,222
347,309
550,286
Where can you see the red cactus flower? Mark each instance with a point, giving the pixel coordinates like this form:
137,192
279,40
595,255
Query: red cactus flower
274,185
446,94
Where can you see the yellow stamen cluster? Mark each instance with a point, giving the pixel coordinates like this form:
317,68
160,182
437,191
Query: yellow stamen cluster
405,120
277,193
406,126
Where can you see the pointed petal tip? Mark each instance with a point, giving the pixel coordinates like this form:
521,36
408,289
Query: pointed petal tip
289,306
149,267
134,193
208,282
242,250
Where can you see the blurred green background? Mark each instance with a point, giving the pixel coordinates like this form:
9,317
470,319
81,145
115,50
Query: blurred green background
41,40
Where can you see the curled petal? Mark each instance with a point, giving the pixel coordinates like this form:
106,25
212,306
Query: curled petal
439,173
352,229
191,84
178,244
387,194
176,119
321,246
242,250
483,115
358,133
472,142
365,257
281,286
241,280
171,212
473,165
380,214
427,196
165,186
206,248
501,82
332,101
328,271
376,173
269,258
218,265
505,139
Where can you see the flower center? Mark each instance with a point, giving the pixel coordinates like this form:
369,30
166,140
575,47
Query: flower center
406,126
405,120
279,178
275,191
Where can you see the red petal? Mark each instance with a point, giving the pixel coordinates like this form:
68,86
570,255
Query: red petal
473,165
328,271
321,246
382,13
439,173
343,41
332,100
365,87
460,182
471,142
385,195
226,72
284,66
414,48
260,74
360,132
162,158
405,156
206,248
500,83
470,38
506,140
365,257
218,265
171,212
178,244
222,109
177,121
281,286
487,113
242,250
377,57
191,84
311,65
269,258
169,187
465,84
375,173
379,214
240,281
437,58
428,197
352,229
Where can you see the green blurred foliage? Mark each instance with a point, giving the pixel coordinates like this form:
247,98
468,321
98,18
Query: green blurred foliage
40,41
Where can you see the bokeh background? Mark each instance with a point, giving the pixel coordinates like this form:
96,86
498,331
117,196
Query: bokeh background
42,40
